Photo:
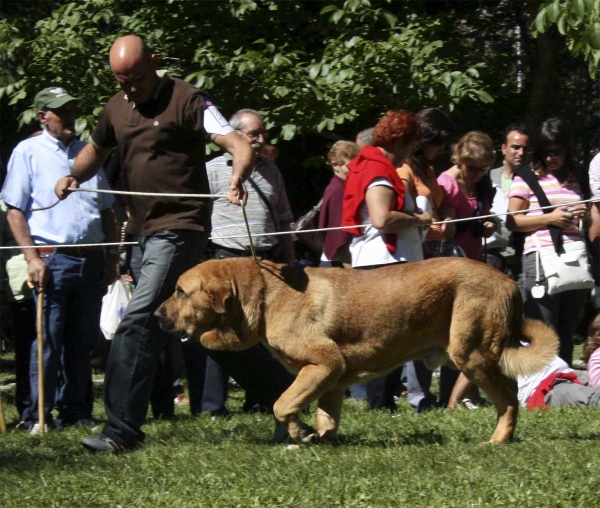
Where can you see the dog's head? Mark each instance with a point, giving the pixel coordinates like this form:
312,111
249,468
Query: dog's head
218,303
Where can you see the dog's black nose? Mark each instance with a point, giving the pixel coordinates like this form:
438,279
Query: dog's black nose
165,323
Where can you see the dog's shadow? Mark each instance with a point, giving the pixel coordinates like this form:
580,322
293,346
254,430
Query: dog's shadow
419,438
293,276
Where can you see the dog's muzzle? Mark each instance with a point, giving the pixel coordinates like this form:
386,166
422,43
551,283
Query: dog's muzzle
165,323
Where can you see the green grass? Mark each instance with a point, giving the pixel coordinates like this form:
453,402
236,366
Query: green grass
433,459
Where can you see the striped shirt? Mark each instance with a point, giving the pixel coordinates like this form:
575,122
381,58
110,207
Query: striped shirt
33,170
228,219
557,194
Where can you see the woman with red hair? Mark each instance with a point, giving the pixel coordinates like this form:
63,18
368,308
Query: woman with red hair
376,198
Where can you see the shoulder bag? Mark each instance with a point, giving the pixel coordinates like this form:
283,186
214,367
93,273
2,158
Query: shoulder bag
310,220
566,266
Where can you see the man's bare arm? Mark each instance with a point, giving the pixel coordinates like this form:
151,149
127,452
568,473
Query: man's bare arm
36,267
243,163
86,165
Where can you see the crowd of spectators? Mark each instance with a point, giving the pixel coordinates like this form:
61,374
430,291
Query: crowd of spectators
386,183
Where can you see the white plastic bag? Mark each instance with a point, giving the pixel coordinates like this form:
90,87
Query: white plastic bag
424,206
114,304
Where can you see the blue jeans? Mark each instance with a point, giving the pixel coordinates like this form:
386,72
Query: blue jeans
207,380
139,340
419,386
170,363
72,304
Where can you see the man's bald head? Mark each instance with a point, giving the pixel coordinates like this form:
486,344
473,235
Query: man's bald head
127,52
134,66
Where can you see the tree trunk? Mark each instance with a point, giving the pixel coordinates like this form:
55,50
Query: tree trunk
544,87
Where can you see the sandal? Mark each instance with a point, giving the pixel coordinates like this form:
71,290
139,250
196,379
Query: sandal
469,404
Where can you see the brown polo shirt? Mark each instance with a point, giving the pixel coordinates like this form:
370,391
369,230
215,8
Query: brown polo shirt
162,150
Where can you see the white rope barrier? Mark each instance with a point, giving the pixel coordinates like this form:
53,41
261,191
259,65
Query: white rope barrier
257,235
68,245
150,194
132,193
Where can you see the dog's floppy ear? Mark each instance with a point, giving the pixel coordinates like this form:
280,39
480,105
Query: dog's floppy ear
218,295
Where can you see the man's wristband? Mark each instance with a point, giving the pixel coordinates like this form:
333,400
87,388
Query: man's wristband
76,178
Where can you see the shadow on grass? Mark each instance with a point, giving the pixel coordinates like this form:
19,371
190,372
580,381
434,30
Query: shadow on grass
427,437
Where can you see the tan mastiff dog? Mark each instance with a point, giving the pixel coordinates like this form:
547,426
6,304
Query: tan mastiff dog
333,327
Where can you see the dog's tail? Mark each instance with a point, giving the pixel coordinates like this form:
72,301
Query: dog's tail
518,360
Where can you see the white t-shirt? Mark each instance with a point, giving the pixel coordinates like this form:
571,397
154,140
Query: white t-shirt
528,384
499,206
369,248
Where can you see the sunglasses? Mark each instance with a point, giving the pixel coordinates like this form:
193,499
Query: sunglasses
555,154
476,169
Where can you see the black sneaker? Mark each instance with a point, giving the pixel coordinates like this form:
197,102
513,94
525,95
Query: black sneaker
103,443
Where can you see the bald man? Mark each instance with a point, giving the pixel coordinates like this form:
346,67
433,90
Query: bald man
160,125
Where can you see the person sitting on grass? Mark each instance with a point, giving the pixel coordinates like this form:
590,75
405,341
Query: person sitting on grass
556,385
591,352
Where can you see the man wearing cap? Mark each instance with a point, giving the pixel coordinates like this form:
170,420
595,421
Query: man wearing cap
74,279
160,125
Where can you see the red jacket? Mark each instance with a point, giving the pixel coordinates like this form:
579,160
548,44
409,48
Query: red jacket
366,167
538,396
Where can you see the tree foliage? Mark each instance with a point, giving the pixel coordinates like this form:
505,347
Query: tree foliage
579,22
319,70
310,66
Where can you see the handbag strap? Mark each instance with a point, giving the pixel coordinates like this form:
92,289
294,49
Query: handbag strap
527,174
538,255
262,196
308,216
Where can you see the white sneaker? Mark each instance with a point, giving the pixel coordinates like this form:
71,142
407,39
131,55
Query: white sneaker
35,430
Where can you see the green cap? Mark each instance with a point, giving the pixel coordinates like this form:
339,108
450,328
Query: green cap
53,98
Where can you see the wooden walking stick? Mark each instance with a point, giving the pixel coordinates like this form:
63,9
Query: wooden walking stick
40,355
2,420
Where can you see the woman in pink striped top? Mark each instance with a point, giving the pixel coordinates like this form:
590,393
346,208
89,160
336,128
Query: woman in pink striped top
553,165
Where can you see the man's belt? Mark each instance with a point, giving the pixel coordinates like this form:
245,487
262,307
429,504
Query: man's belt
242,253
72,251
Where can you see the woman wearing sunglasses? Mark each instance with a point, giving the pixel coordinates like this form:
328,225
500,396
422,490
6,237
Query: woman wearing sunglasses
468,191
555,169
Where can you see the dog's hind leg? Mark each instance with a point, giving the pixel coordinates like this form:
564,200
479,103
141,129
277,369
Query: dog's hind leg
501,390
329,411
310,384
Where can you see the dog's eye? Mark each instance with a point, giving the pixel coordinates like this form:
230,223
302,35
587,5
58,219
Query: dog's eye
180,293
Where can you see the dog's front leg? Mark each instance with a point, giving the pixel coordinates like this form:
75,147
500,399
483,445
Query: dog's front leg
310,384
